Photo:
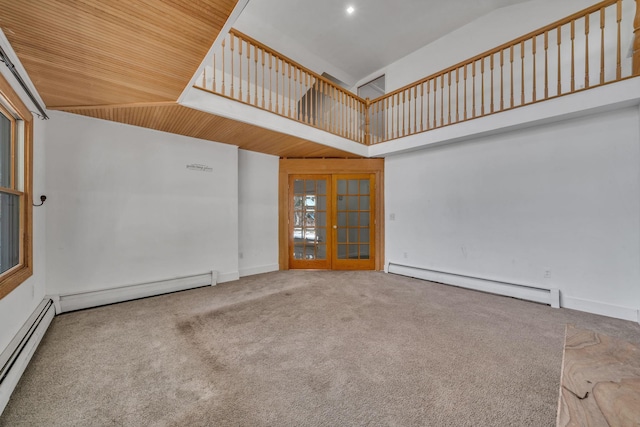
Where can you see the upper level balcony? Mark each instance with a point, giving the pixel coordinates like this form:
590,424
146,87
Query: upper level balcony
561,64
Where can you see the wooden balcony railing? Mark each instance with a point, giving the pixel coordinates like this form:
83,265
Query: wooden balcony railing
582,51
593,47
248,71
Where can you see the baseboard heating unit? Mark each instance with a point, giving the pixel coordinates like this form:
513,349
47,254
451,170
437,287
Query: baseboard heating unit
15,358
81,300
550,296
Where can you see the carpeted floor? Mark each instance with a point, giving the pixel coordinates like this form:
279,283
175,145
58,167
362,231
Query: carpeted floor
304,349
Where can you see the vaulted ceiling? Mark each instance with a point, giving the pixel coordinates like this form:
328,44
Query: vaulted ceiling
129,61
376,34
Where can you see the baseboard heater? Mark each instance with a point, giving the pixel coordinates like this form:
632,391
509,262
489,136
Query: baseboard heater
15,358
82,300
550,296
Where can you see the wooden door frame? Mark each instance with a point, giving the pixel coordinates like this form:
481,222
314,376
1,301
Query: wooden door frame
323,167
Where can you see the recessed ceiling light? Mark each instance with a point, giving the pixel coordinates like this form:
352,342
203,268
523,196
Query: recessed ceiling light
350,10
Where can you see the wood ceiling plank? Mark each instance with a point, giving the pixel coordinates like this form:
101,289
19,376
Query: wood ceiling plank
112,54
175,118
87,52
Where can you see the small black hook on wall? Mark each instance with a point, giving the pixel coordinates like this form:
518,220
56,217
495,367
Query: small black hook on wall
42,199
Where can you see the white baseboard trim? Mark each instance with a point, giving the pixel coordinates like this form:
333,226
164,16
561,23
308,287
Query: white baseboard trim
259,270
15,358
228,277
595,307
79,301
525,292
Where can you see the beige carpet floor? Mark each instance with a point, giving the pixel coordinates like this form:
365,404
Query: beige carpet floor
304,349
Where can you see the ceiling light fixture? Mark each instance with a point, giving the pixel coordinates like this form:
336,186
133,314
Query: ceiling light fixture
350,10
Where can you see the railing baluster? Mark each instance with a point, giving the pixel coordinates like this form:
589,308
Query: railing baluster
512,94
289,96
435,102
340,124
522,70
559,60
263,70
619,45
322,105
533,48
636,41
345,112
214,88
457,94
442,100
465,91
415,108
270,82
492,79
428,103
449,96
398,115
232,46
304,95
501,80
393,126
404,107
573,56
224,90
332,109
473,90
482,87
546,64
311,100
255,93
602,17
277,85
283,86
586,51
386,119
240,79
248,73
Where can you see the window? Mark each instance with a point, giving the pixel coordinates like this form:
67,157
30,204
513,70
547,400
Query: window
16,123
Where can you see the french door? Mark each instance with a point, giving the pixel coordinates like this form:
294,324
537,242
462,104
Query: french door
331,221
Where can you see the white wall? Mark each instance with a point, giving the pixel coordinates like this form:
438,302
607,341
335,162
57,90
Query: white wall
261,30
258,212
124,209
561,197
16,307
484,33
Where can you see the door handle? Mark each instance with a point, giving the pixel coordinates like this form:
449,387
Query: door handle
335,227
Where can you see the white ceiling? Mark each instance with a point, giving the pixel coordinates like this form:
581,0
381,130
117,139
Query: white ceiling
351,47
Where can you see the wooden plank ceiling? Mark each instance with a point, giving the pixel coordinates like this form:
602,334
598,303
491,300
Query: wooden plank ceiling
129,61
178,119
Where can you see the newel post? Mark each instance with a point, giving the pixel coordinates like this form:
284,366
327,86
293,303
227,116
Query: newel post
636,41
367,132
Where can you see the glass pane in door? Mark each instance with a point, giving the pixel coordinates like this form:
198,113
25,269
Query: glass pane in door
353,208
310,219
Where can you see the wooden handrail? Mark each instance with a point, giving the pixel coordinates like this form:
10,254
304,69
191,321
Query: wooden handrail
284,58
516,73
496,74
515,42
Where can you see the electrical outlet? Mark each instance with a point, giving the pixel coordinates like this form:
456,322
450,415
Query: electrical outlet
392,217
241,255
547,274
406,255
